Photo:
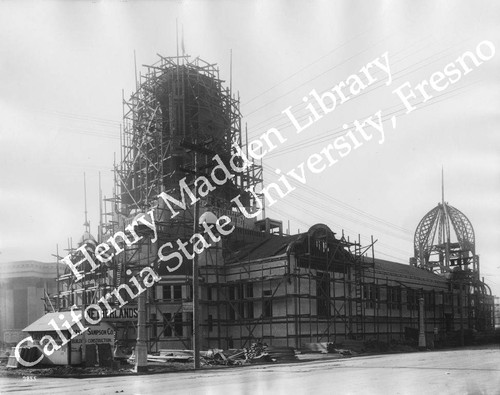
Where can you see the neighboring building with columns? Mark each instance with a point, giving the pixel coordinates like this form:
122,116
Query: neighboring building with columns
23,287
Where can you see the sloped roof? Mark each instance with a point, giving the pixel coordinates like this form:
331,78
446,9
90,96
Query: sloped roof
266,246
270,246
42,324
407,270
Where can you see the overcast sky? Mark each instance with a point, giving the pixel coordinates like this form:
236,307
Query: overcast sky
63,66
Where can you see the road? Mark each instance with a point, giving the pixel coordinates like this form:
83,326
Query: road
441,372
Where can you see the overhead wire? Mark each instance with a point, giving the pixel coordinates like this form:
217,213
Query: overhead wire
395,77
340,130
407,47
315,192
322,218
308,65
370,46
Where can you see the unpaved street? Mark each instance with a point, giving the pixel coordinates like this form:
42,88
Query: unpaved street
441,372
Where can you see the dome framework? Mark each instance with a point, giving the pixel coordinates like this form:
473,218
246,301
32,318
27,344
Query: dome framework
444,241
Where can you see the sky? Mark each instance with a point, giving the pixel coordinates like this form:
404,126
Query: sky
65,65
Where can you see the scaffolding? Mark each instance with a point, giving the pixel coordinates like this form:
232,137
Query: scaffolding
178,103
306,288
310,293
331,290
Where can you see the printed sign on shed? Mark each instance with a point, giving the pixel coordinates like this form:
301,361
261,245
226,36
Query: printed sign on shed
96,334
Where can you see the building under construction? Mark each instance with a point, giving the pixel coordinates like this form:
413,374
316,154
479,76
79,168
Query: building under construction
259,284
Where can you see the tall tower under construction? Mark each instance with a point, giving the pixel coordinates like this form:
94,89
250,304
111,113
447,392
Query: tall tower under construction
179,118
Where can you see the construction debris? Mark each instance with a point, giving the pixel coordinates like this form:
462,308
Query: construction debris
167,356
256,353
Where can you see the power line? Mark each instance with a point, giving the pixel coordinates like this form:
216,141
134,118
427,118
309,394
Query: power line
340,130
352,209
309,65
395,76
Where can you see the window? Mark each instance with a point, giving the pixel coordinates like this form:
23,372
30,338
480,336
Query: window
232,293
172,292
172,327
267,304
429,300
394,298
210,323
154,331
448,299
323,295
249,295
241,309
167,325
249,289
250,310
178,324
87,297
166,292
177,292
238,305
412,299
232,313
232,305
371,295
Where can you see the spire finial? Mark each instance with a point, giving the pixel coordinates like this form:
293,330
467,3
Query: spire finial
86,224
442,184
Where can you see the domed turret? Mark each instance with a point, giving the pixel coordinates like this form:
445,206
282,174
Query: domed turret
445,242
444,238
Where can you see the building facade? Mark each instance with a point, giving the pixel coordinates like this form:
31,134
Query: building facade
25,290
309,288
182,128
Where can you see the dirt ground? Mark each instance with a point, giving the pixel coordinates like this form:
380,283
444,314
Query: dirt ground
76,371
127,369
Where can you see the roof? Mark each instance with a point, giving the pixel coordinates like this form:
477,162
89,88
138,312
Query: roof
30,268
406,270
267,247
42,324
259,245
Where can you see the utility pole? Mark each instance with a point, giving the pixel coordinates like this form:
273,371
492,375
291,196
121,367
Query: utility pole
461,304
421,325
196,305
141,350
196,148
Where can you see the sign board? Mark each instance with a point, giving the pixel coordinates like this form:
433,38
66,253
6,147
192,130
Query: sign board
96,334
125,313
